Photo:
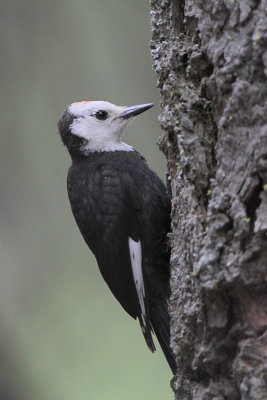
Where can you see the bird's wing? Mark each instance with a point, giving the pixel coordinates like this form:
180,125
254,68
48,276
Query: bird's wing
127,230
111,224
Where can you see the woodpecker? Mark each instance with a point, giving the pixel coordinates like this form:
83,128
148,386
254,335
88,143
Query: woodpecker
122,210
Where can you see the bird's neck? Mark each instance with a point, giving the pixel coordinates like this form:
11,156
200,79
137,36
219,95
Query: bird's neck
106,146
79,155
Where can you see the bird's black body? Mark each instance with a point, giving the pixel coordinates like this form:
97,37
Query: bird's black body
119,203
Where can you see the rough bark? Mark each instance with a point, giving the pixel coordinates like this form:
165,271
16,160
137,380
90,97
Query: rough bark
211,60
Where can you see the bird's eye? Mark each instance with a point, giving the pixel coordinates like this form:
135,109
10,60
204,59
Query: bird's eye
101,114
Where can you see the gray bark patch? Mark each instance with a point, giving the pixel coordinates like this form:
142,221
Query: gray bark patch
211,62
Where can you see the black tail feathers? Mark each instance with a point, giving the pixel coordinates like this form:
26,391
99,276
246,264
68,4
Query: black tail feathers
164,342
160,320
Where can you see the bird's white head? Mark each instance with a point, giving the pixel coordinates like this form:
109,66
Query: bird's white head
99,125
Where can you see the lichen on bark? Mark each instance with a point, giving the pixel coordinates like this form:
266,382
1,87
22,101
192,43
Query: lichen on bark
211,61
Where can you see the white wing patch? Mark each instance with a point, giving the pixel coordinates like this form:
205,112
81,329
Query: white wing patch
136,262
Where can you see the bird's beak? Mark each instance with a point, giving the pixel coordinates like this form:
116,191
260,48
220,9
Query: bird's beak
134,110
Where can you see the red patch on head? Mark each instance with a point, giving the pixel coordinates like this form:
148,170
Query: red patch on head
82,102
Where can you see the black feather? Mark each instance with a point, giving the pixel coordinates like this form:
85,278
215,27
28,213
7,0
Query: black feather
114,196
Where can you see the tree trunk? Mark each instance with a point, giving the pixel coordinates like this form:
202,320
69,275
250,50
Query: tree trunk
211,61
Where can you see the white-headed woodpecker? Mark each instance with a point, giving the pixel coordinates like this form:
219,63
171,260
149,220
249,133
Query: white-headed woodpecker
123,212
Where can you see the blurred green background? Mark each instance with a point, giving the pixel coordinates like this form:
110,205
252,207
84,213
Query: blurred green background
62,334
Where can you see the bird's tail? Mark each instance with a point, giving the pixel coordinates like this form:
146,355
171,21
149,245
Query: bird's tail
160,320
